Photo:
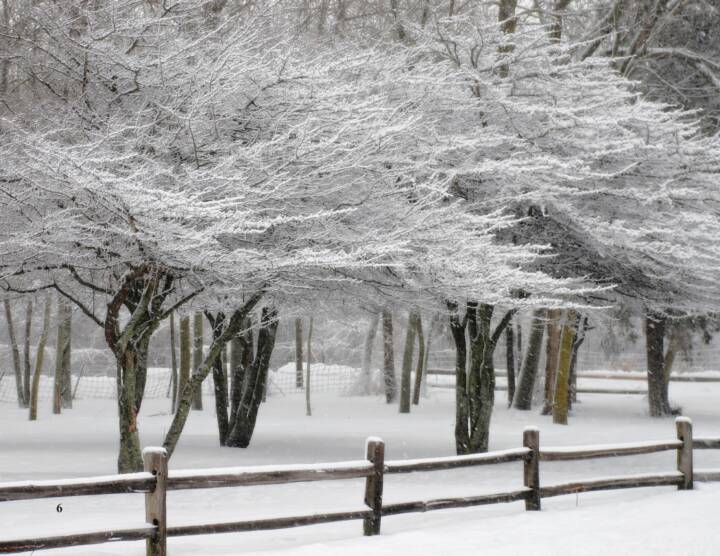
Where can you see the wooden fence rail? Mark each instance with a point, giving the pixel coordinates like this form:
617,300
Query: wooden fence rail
598,375
155,481
579,389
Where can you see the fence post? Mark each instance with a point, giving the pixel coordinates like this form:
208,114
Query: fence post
531,468
685,452
155,462
375,453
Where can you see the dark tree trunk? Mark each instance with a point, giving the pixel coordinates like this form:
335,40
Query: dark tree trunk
510,362
173,363
405,377
518,333
457,328
657,385
217,325
143,347
481,376
129,456
62,353
552,357
17,367
241,358
508,24
185,356
389,357
234,326
66,393
582,325
26,352
298,353
39,359
254,384
436,324
197,355
528,375
420,365
474,412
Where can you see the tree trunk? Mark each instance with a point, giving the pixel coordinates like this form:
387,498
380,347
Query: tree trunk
66,394
143,291
220,385
241,358
308,408
526,385
234,326
184,356
579,339
481,411
143,347
518,333
510,362
435,326
298,353
126,345
39,360
17,367
365,377
62,349
57,382
237,371
26,351
129,456
457,328
173,362
405,377
657,385
389,357
481,375
508,23
197,355
555,30
561,401
255,380
480,390
552,353
420,365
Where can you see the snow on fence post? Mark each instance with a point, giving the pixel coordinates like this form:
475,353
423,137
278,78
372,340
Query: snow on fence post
155,462
531,468
375,453
685,452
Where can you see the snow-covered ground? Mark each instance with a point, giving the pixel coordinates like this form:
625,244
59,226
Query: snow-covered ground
657,521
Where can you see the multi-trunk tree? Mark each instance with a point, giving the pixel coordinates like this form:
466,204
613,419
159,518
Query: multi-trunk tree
217,162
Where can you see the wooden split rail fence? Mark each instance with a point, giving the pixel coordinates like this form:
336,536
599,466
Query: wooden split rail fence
155,481
634,377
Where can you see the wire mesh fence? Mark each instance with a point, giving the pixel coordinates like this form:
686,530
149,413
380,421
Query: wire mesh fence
339,379
94,371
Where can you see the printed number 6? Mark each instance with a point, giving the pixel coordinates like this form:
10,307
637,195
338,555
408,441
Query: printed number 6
59,508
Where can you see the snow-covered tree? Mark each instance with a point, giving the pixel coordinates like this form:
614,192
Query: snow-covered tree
161,156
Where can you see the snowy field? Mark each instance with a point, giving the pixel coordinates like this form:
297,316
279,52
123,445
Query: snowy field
655,521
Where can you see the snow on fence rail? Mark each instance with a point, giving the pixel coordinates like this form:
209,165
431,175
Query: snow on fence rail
707,376
704,376
155,481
